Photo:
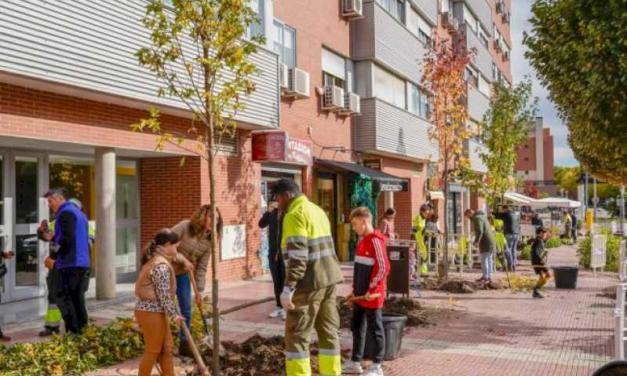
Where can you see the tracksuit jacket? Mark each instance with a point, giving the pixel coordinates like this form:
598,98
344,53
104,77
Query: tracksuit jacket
372,267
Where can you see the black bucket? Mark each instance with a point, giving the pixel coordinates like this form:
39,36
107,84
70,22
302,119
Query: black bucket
393,325
565,277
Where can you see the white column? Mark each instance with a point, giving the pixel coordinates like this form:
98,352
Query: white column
388,200
105,223
539,131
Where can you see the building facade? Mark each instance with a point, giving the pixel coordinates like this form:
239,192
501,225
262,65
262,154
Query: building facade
338,96
536,161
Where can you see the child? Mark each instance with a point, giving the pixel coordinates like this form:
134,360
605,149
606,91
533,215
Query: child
538,257
155,290
369,281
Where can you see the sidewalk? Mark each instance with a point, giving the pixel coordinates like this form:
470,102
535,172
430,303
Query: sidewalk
497,332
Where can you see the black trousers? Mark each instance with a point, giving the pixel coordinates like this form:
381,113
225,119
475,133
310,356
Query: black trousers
367,322
277,270
73,284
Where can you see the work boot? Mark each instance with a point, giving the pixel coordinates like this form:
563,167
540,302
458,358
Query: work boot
374,370
352,368
536,294
4,338
48,331
184,349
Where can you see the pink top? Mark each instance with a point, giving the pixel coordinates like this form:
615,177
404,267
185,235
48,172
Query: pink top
387,228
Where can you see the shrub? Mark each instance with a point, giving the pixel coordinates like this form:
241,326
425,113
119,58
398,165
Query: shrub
525,254
553,242
612,251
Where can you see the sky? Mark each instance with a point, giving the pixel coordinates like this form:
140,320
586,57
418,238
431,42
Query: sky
521,12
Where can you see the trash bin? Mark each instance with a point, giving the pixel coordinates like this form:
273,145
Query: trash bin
393,325
565,277
614,368
398,253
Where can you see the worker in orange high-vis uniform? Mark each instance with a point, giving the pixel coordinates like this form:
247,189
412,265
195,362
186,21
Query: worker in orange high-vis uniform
313,272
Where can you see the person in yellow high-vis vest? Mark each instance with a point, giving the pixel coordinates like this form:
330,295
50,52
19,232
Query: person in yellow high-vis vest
313,272
418,229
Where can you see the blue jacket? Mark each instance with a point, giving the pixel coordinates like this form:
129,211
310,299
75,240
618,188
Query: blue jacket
71,233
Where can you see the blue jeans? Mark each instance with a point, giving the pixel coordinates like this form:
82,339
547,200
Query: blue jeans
184,296
512,248
486,264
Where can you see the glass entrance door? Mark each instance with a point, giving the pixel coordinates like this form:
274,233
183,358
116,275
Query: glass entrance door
25,187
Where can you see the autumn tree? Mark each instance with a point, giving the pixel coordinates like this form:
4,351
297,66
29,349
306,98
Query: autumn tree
443,76
567,178
199,51
578,49
504,127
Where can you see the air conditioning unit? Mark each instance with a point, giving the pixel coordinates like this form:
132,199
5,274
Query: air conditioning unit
352,8
333,98
284,76
351,104
497,45
505,55
500,7
450,22
298,84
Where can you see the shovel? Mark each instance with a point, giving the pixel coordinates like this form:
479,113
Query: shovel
208,339
201,364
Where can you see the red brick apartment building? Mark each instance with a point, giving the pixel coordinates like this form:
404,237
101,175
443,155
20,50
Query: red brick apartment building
536,161
338,96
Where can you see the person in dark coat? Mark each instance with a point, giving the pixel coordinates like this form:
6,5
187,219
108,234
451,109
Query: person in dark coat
511,220
273,219
574,225
538,257
485,240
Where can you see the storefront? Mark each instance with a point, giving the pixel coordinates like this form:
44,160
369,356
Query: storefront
25,175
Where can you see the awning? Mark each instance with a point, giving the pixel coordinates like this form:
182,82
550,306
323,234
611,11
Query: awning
387,182
519,199
556,202
436,195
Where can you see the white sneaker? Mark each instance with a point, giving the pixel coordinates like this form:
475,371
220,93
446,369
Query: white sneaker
352,368
374,370
276,313
283,314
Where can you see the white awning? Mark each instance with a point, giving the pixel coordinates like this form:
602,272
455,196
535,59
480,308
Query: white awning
518,198
436,195
556,202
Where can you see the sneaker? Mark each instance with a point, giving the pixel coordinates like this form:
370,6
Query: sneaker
47,332
283,314
276,313
536,294
374,370
482,279
352,368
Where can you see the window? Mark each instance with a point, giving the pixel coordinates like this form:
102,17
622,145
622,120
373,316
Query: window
494,71
418,101
256,29
471,76
333,69
419,27
470,20
483,38
389,87
284,43
483,85
396,8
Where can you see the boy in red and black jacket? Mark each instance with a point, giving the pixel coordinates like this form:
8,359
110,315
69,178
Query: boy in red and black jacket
369,281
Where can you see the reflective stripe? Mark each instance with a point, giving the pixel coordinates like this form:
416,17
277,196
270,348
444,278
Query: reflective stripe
330,365
297,253
298,367
320,240
297,355
364,260
297,239
321,254
329,351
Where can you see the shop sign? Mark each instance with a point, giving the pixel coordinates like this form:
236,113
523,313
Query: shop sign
374,164
391,187
279,147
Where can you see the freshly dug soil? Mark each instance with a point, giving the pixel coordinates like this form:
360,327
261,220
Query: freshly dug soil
417,314
608,292
460,286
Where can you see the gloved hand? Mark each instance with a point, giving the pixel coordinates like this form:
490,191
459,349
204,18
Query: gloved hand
286,297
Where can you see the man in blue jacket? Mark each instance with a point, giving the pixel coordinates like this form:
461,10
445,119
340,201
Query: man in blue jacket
71,234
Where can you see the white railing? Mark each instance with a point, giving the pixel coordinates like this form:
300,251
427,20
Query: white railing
619,319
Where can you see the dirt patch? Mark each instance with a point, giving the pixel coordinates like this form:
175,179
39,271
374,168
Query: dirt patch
460,286
608,292
417,314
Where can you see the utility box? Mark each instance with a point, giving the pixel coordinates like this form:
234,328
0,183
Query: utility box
399,255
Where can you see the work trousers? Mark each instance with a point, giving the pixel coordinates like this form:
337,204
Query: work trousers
367,322
277,270
157,343
317,310
72,286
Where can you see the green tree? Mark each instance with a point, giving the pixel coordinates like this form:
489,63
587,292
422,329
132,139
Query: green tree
504,127
578,49
200,53
567,178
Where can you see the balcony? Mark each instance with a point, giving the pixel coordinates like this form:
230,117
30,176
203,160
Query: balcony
478,103
428,8
474,149
481,10
482,58
384,129
380,37
90,46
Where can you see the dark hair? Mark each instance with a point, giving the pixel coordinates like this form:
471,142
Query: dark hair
55,192
199,218
285,186
389,212
162,237
541,230
435,217
425,207
469,212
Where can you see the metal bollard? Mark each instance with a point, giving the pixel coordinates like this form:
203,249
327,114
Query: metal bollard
619,326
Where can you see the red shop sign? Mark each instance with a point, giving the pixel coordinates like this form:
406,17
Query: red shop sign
279,147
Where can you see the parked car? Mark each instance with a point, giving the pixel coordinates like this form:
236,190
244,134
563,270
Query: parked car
603,214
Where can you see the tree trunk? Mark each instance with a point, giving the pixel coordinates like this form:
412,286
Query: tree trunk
445,265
